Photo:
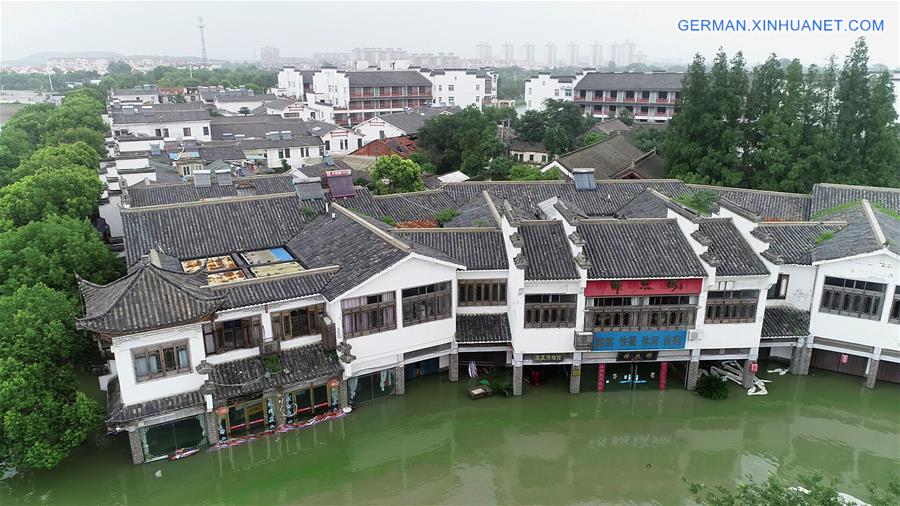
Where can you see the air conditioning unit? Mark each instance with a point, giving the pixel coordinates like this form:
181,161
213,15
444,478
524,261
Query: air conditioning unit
693,335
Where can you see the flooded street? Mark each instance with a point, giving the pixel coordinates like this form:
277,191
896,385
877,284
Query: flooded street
548,447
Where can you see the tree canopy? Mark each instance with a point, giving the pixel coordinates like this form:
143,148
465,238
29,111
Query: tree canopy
52,251
812,490
560,126
69,191
62,156
792,128
42,414
395,174
463,141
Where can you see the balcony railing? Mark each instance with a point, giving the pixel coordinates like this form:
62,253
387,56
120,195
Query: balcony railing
640,317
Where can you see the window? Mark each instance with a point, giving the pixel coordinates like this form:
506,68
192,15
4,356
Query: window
284,153
662,95
531,157
645,110
894,315
556,92
205,130
304,152
220,337
477,87
849,297
345,143
159,361
302,321
159,132
165,132
369,314
482,292
550,310
450,87
440,87
381,134
306,403
327,145
645,95
187,131
734,306
426,303
450,100
660,110
633,313
779,289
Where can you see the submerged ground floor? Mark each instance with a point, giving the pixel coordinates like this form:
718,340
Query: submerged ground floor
434,445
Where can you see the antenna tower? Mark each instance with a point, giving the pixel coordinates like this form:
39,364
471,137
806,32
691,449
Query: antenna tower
202,39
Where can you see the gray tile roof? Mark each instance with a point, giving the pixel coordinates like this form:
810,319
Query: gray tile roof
525,146
648,166
345,241
606,157
149,194
618,81
784,321
256,127
303,364
546,248
273,289
260,97
858,237
647,204
482,328
638,249
735,256
610,196
214,227
159,116
770,206
387,78
792,243
826,196
476,249
218,150
118,413
423,205
476,212
411,122
148,298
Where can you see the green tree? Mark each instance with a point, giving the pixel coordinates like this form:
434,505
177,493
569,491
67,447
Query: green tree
42,414
118,67
531,126
33,120
464,141
445,216
775,491
14,146
70,191
51,252
647,138
394,174
243,111
593,138
78,111
88,136
62,156
522,172
498,169
625,117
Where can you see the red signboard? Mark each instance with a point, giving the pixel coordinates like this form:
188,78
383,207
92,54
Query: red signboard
639,287
601,378
663,373
844,358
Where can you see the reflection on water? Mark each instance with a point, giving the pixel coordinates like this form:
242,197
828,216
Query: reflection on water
548,447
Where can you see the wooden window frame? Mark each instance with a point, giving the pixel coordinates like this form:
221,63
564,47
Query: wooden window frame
288,324
623,313
436,299
167,356
214,335
371,308
731,306
850,297
894,314
555,310
481,292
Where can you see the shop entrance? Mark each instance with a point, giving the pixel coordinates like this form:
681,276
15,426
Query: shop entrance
632,376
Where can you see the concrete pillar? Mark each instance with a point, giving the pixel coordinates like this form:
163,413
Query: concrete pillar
517,380
575,379
212,428
454,367
805,359
343,395
137,447
747,377
797,358
692,373
400,372
872,373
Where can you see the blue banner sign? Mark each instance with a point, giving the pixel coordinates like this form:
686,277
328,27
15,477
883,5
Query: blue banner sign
640,340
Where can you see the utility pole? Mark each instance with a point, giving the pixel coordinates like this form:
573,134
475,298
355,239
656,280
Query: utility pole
202,39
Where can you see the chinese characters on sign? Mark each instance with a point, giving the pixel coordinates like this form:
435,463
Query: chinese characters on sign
640,340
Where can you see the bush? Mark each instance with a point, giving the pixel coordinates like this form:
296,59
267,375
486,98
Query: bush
445,216
712,387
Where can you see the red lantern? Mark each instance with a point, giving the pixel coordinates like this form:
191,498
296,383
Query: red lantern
333,383
754,367
844,358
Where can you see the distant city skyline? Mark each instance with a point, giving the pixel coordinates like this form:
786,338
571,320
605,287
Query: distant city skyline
33,27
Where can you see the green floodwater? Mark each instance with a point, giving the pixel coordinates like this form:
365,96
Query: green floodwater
434,445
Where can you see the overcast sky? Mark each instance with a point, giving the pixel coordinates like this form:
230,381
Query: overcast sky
236,30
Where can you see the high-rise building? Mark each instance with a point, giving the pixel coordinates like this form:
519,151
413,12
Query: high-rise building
550,54
572,61
597,55
528,54
508,55
628,52
269,56
379,54
484,53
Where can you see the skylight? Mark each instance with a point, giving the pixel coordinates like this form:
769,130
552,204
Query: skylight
244,265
